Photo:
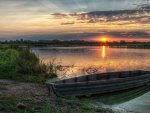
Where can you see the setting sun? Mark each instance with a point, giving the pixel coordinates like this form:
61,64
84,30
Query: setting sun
103,39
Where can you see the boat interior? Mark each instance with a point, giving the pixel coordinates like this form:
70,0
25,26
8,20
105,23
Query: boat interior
104,76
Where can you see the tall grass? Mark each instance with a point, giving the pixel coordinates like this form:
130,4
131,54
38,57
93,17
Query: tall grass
28,61
9,62
20,63
46,108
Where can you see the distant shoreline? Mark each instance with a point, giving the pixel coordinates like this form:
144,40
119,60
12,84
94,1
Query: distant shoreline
76,43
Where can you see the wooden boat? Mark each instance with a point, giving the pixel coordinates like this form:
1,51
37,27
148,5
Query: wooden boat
99,83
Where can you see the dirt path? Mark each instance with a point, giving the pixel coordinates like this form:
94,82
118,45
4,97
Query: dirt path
15,95
23,90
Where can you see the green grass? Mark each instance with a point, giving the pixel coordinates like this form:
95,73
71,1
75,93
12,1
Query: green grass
8,62
4,47
85,105
46,108
9,104
19,63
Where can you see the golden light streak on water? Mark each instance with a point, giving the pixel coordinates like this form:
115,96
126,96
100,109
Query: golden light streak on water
103,51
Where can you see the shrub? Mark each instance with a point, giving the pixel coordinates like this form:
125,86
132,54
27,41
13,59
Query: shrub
9,62
22,64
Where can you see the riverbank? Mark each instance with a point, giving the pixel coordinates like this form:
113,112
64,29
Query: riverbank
25,91
21,97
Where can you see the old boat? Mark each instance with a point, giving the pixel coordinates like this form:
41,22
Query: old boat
99,83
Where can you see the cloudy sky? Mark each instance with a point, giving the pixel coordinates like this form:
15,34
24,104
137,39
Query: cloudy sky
75,19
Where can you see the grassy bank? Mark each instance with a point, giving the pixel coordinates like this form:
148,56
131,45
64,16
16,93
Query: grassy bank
19,63
20,97
19,105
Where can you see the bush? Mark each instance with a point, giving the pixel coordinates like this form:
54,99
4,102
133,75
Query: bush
20,63
9,62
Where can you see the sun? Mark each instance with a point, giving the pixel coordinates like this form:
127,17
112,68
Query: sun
103,39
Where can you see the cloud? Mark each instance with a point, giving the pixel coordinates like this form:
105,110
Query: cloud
29,17
59,15
67,23
119,17
144,7
131,34
74,36
133,16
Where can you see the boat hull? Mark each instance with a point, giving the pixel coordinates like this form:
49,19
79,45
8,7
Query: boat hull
98,87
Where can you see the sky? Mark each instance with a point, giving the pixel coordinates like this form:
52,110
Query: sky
75,19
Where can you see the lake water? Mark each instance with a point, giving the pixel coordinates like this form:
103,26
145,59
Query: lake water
76,61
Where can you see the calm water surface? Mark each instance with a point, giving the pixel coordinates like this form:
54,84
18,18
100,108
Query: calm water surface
76,61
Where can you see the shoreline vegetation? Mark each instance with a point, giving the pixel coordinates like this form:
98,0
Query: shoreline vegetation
75,43
19,63
23,89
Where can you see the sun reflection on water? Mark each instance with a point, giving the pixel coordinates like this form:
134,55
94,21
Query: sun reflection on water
103,51
101,58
